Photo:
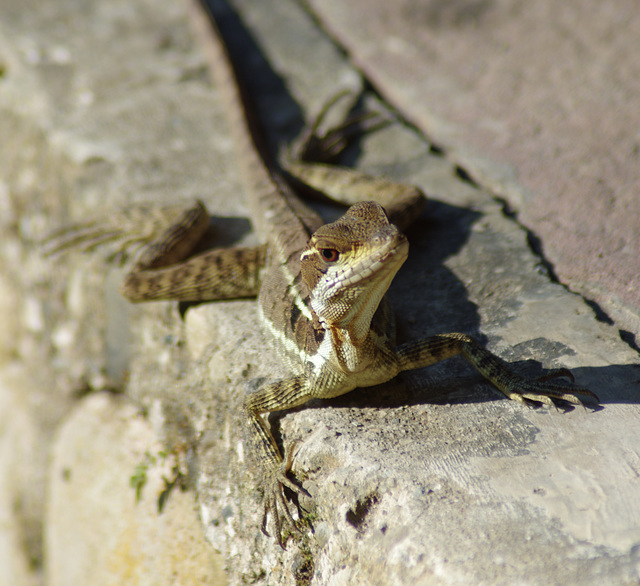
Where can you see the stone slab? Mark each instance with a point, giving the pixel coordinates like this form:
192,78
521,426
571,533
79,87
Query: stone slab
92,106
408,472
96,530
536,101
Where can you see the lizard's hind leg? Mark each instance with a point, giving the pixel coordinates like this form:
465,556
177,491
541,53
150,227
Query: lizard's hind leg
312,164
163,240
316,145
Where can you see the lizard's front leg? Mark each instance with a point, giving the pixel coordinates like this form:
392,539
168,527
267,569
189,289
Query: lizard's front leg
284,394
431,350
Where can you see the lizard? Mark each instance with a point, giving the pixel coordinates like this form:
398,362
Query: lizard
320,287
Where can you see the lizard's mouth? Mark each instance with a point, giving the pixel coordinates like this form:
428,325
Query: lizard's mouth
387,257
402,243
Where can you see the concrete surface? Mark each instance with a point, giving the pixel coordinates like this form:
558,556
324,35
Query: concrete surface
98,448
433,479
537,101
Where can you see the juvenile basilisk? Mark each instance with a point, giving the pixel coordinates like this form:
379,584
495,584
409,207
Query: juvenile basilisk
320,288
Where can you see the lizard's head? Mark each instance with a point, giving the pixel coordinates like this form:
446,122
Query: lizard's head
350,264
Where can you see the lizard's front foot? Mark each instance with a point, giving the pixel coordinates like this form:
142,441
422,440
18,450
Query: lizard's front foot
516,387
540,390
273,483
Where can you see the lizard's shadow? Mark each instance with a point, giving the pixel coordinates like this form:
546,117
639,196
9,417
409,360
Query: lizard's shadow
279,116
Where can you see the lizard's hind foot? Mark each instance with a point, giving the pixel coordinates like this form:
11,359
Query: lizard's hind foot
129,229
320,145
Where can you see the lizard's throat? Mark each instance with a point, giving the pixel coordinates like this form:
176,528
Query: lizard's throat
350,309
347,295
348,325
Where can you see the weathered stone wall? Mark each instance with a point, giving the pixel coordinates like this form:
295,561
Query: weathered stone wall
432,479
93,114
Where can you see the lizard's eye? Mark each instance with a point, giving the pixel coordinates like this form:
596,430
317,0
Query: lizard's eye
329,254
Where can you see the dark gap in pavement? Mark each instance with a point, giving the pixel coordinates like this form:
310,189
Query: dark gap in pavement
535,244
464,175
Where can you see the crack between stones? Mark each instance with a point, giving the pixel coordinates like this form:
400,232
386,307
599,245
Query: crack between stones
535,245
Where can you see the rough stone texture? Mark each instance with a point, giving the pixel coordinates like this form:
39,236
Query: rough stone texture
19,531
98,104
537,101
96,451
431,479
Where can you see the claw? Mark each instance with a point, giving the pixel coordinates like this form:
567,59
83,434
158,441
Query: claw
541,391
276,504
544,399
274,501
263,525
